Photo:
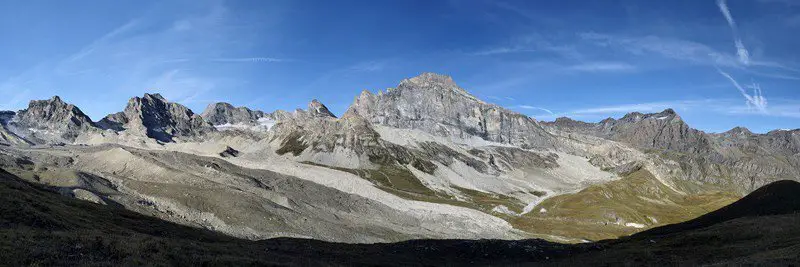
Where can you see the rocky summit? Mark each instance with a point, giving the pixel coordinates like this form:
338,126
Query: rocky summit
223,113
425,159
434,104
155,117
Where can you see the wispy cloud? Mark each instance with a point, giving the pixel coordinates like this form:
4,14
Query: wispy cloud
602,66
151,52
89,49
741,51
534,108
251,60
677,49
502,50
783,109
498,98
756,100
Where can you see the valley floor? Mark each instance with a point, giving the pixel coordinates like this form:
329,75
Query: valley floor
40,227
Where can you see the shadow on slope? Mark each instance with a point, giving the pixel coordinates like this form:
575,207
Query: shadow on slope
40,227
777,198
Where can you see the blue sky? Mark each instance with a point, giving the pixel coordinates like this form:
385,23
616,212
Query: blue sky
717,63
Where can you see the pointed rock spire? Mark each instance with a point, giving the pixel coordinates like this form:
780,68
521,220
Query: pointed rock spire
317,109
157,118
51,120
224,113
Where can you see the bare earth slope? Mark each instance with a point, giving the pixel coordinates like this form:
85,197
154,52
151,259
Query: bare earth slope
40,227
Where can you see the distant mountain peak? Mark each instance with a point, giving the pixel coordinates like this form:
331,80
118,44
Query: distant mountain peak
63,121
317,109
430,78
666,114
155,96
221,113
738,130
157,118
433,103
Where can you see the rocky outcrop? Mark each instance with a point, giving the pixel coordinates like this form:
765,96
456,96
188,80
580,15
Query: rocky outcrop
222,113
155,117
229,152
49,121
317,109
435,104
738,159
663,130
7,137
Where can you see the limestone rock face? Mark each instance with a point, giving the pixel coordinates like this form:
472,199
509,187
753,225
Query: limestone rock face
155,117
737,158
317,109
435,104
223,113
663,130
48,121
7,137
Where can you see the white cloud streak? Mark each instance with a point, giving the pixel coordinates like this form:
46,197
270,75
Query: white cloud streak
503,50
783,109
251,60
741,51
602,66
535,108
756,100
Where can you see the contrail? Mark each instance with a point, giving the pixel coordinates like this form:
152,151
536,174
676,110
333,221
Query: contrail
741,51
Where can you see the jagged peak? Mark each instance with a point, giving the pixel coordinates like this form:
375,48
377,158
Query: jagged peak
607,120
318,109
220,105
433,82
366,94
632,116
668,111
52,100
431,78
666,114
156,96
739,130
57,103
564,119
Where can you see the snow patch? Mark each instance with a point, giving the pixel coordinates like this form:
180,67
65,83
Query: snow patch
635,225
263,124
266,122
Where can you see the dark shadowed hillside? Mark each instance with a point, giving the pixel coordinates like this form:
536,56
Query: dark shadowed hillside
41,227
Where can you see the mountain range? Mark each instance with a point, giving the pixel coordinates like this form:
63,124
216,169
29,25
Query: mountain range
423,160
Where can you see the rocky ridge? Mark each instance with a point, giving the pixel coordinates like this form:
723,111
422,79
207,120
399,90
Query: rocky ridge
221,113
48,121
153,116
435,104
430,141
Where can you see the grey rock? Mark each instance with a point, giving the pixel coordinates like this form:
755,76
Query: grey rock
435,104
224,113
229,152
49,121
663,130
317,109
6,116
736,159
157,118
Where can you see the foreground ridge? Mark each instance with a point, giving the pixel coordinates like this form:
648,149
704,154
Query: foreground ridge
36,216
